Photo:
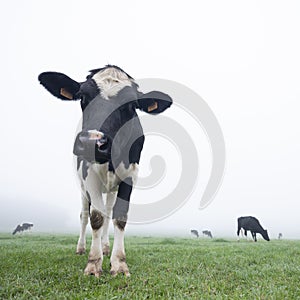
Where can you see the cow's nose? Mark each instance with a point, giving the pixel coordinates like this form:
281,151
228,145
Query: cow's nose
103,141
94,134
91,145
83,137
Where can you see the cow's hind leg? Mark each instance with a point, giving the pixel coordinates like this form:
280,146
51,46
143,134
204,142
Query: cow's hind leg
120,210
97,212
84,216
110,201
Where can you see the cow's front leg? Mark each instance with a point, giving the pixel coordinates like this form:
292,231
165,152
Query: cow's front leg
238,233
254,236
84,216
110,202
120,211
94,265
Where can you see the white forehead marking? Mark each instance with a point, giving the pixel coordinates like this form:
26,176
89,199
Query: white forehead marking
110,81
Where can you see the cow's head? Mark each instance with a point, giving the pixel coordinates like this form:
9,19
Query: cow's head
265,235
109,98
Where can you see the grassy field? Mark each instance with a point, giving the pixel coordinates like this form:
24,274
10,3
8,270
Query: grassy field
45,267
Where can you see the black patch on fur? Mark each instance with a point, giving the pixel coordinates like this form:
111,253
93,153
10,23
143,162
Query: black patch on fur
78,163
136,150
85,166
88,197
87,92
111,167
121,224
121,207
96,219
89,201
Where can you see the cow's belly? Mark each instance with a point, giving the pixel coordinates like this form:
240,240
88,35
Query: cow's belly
107,181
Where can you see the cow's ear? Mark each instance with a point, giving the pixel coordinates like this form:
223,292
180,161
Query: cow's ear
154,102
60,85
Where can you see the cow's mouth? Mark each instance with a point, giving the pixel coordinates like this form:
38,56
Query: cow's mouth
92,145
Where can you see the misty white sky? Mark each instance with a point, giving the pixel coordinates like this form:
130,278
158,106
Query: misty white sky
241,57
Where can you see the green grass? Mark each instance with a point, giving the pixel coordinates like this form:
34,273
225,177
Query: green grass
45,267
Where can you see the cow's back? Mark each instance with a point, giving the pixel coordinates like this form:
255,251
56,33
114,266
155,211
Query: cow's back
249,223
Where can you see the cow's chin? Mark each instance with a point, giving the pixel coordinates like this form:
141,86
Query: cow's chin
100,158
102,154
93,153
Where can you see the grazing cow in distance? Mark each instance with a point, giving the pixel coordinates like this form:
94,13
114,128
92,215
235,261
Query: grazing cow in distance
253,225
208,233
22,227
280,236
194,233
108,150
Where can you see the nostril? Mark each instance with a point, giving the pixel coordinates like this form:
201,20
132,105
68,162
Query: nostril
102,142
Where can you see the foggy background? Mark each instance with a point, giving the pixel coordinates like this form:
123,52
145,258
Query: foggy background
241,57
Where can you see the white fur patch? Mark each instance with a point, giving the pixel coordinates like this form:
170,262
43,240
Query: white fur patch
94,134
110,81
108,181
111,180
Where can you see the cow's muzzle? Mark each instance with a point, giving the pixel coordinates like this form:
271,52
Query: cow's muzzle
92,145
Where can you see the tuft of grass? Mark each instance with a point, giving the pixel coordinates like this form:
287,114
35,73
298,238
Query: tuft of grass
46,267
220,240
168,241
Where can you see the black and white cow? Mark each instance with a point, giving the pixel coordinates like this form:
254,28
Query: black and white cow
207,233
108,150
252,224
22,227
195,233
